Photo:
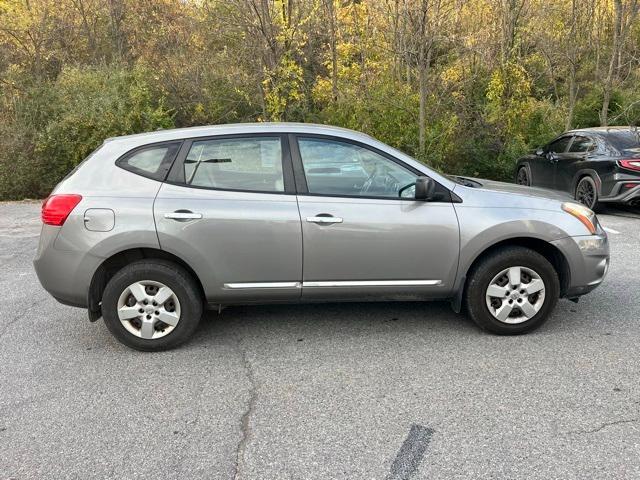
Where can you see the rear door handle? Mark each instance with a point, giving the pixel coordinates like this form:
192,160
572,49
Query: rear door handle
183,215
324,219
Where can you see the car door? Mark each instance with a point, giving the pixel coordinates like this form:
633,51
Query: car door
361,239
552,154
569,163
538,164
229,210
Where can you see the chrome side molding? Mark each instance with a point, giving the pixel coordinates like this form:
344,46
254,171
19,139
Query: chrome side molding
335,284
235,286
373,283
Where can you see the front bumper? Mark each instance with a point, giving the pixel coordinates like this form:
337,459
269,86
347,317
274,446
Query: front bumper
588,260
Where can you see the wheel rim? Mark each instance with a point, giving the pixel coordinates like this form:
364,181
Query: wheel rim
586,193
515,295
148,309
522,178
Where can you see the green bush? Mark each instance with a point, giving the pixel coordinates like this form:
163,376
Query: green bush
55,124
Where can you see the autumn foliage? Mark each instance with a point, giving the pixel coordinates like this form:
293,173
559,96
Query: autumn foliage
464,85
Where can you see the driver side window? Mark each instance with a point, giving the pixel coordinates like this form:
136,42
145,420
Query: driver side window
559,146
339,168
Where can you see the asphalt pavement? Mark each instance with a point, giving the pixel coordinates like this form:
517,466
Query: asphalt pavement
335,391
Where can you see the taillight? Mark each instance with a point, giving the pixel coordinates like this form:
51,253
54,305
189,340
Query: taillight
630,163
57,208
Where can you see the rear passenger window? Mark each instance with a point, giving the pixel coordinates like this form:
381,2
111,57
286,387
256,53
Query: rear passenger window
581,144
251,164
152,162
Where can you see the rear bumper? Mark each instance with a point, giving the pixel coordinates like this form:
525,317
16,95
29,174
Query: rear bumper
621,194
588,259
66,275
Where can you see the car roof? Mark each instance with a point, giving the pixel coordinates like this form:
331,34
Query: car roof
603,130
116,146
237,128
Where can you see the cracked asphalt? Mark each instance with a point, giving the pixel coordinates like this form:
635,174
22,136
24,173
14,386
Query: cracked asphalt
336,391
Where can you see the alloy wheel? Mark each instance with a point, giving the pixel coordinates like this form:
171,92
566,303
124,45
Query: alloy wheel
586,192
522,177
148,309
515,295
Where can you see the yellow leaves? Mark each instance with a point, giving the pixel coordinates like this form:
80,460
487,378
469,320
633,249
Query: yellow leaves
452,74
282,86
511,82
509,95
322,90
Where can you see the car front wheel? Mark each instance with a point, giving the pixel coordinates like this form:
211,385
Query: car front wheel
522,178
152,305
512,291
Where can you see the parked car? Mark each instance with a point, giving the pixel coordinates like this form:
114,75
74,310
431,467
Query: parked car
595,165
152,228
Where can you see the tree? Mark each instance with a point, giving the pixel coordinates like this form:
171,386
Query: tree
466,85
624,15
428,26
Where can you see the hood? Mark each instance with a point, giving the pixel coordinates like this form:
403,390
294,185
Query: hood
521,190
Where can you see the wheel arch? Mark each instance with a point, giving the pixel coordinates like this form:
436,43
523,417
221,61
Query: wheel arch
586,172
543,247
524,164
115,262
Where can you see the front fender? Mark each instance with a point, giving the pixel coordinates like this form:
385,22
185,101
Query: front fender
483,228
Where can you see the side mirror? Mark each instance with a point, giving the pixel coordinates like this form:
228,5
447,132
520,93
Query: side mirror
539,152
424,188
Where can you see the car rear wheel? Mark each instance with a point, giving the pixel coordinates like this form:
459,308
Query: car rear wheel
512,291
522,178
152,305
587,193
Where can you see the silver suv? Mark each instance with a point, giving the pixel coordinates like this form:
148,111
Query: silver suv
153,228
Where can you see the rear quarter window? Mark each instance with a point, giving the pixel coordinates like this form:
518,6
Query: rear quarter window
152,161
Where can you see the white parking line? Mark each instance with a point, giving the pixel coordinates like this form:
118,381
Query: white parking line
610,230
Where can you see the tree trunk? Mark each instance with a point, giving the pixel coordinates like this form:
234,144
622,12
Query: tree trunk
116,17
608,83
572,96
423,74
334,50
573,60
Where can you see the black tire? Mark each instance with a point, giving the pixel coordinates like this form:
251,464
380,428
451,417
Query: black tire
587,192
173,276
483,273
522,177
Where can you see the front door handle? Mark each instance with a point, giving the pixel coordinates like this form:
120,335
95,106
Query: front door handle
324,219
183,215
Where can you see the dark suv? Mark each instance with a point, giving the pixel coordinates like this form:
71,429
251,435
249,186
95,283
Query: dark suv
593,164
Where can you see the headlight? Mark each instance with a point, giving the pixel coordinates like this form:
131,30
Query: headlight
582,213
